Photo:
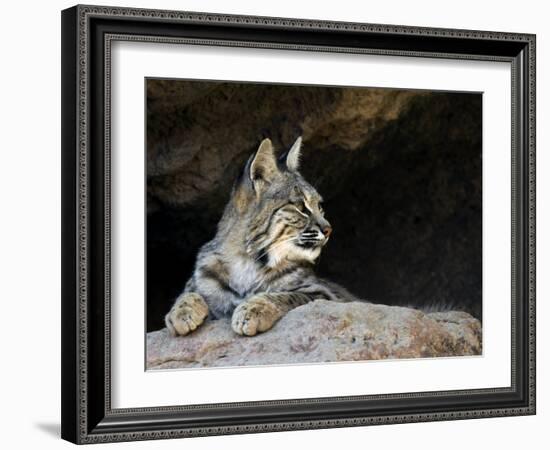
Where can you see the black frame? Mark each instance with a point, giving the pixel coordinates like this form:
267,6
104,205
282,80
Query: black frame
87,32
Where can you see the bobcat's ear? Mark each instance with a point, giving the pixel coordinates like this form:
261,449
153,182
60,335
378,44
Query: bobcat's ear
263,167
293,155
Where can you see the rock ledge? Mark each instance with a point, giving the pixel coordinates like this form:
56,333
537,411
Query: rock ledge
322,331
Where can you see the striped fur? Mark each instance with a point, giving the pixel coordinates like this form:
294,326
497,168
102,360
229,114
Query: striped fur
260,263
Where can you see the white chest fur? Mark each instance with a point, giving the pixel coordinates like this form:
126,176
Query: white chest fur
244,276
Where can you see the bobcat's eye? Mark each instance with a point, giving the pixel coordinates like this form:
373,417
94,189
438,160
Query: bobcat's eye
321,210
300,205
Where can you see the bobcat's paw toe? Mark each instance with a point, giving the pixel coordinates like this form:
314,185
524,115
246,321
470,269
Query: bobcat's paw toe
187,314
254,316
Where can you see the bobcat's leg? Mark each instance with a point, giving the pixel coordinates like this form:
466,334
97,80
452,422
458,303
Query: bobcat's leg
260,312
187,314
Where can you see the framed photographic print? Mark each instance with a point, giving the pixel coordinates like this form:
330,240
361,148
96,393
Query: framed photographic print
282,224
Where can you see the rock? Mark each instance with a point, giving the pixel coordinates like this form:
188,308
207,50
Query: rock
322,331
200,134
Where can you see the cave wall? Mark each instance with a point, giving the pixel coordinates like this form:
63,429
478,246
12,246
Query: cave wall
400,171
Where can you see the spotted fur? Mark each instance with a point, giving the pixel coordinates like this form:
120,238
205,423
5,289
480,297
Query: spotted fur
260,263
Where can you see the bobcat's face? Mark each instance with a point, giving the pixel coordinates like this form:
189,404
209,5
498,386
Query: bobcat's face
298,229
286,219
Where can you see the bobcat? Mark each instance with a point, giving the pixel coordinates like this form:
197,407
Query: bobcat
260,264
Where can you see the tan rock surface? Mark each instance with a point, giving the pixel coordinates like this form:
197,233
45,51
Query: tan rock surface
322,331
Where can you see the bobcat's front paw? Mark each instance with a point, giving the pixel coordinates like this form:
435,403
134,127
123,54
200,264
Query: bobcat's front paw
255,315
187,314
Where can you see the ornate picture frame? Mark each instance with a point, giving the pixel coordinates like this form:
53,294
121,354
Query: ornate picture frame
88,33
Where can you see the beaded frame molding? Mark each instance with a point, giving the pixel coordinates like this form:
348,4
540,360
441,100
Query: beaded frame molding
87,35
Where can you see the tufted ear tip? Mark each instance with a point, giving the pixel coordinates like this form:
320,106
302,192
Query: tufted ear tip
293,156
265,143
264,165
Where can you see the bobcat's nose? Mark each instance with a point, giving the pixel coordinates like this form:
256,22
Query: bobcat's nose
327,230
